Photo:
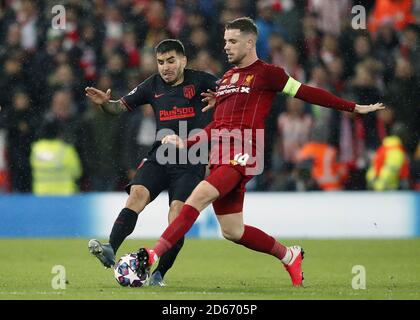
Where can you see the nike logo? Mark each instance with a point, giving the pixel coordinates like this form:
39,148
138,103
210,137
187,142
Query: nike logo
158,95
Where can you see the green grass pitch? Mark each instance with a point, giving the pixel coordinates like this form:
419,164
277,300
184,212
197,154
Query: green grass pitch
215,269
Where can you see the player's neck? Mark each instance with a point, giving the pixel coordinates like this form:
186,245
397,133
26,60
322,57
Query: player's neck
179,81
247,61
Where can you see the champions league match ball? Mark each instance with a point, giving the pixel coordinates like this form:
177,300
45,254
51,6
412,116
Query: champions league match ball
125,271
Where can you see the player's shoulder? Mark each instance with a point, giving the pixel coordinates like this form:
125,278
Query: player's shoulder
144,87
149,81
268,66
198,74
201,79
269,71
153,79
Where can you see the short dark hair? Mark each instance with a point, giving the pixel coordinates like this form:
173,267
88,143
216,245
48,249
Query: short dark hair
244,24
170,45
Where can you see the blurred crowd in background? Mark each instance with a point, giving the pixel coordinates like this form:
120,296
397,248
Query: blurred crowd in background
109,44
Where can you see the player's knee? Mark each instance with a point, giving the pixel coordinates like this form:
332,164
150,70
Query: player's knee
176,206
174,210
204,193
139,193
232,234
138,199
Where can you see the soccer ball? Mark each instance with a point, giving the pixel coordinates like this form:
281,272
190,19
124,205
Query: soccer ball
125,271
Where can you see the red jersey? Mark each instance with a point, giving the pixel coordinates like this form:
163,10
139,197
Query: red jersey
243,101
245,95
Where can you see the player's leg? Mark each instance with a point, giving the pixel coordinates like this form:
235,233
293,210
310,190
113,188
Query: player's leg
183,181
167,260
148,182
200,198
204,194
123,226
233,229
126,221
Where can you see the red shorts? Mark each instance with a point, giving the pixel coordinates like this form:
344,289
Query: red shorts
230,170
230,183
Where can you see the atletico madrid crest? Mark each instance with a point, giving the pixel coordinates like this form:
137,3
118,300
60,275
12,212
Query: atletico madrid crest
189,91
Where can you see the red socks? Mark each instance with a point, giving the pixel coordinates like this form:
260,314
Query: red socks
176,230
258,240
252,238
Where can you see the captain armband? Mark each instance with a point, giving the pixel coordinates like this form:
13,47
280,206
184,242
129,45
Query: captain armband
292,86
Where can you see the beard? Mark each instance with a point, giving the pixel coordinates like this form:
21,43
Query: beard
237,60
178,76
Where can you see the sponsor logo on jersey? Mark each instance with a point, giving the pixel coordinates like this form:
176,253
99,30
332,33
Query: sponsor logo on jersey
158,95
228,89
248,79
189,91
176,113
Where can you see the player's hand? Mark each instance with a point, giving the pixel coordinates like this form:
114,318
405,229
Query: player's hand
173,139
368,108
210,98
97,96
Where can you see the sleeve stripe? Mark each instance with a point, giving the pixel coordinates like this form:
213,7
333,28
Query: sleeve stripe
292,86
126,104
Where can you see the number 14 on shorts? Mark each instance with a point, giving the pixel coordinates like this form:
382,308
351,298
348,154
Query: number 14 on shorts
240,159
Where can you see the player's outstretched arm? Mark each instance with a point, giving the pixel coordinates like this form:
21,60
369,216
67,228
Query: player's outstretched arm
368,108
103,99
324,98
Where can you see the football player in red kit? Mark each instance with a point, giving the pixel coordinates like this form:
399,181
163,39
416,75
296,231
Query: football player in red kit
243,100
